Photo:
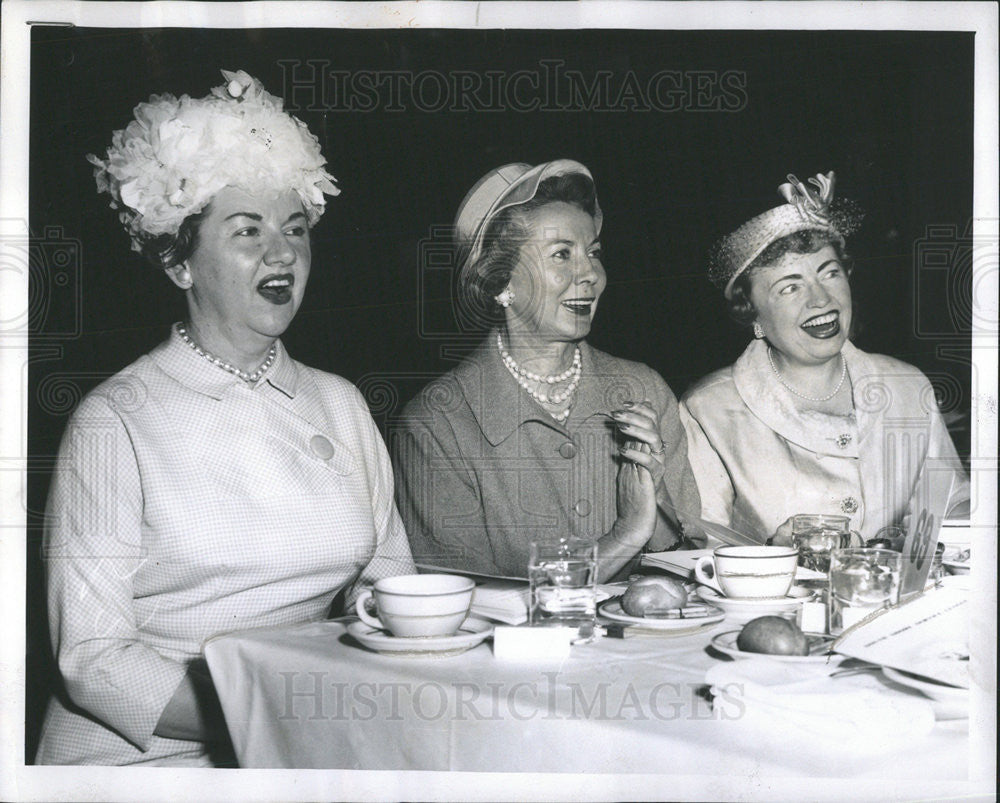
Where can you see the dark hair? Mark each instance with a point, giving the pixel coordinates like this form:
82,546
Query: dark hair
741,308
166,251
508,232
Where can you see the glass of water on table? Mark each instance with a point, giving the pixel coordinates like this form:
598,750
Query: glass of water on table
563,583
862,581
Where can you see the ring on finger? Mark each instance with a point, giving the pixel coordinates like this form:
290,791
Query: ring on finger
659,451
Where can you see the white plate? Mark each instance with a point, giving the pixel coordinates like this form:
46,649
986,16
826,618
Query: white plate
613,610
743,608
726,643
950,559
472,632
948,702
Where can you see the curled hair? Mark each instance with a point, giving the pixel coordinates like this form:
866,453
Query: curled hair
166,251
807,241
508,232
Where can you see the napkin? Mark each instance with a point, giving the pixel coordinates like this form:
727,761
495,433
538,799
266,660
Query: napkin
848,715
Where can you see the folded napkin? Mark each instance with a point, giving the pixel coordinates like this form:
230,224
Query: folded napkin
850,715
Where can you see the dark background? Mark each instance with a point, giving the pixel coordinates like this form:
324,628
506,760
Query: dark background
891,113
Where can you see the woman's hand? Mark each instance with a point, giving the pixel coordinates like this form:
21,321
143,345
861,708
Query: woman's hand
636,500
640,424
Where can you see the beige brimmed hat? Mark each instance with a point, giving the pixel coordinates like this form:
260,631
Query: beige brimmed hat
500,189
806,210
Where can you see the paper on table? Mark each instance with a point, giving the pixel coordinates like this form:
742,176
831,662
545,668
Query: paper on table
726,535
927,635
507,600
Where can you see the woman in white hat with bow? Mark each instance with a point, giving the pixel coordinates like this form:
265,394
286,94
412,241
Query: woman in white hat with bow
803,421
215,484
537,435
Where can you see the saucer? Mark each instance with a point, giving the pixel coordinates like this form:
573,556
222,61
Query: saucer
948,702
613,610
726,643
472,632
752,608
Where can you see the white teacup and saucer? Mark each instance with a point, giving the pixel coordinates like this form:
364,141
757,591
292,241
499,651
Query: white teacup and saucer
419,614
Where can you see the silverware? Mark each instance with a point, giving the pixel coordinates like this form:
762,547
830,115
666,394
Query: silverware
691,612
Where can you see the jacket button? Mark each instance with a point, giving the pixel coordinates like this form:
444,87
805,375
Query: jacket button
568,450
582,507
321,447
849,505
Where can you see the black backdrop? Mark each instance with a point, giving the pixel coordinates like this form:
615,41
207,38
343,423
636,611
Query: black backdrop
736,111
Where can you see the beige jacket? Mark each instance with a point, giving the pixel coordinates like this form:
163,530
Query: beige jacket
758,459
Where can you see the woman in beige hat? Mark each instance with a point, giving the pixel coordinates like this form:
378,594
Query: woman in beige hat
803,421
216,483
537,435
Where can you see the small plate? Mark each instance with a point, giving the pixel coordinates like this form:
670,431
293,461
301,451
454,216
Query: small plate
726,643
472,632
742,608
956,559
613,610
948,702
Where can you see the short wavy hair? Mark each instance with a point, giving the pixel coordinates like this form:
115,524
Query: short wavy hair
807,241
506,235
166,251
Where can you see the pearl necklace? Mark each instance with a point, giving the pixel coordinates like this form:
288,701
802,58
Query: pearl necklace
522,377
836,390
225,366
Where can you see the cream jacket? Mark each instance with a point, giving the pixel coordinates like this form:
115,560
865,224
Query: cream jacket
758,459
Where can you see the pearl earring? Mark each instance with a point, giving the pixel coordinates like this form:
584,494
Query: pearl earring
758,331
505,298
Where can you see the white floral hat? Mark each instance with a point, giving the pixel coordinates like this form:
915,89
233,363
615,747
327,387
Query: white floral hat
178,153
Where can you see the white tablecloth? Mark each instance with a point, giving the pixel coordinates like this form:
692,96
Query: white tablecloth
311,697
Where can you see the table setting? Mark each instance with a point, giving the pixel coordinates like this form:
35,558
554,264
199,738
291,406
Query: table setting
714,655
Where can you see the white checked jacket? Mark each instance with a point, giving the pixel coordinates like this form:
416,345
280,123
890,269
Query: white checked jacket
185,504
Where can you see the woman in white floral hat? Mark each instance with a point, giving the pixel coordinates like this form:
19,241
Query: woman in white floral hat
803,421
216,483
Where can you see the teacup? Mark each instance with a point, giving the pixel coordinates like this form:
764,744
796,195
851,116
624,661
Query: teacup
418,605
749,572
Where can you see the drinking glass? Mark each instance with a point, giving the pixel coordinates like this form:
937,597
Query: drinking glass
862,581
563,579
817,535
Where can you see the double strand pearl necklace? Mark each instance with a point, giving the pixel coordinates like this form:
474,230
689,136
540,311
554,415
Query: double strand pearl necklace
225,366
836,390
523,376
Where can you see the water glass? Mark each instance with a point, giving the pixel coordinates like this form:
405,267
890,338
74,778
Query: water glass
862,581
563,579
817,535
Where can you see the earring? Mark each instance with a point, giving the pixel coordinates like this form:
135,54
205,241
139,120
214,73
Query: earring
758,331
505,297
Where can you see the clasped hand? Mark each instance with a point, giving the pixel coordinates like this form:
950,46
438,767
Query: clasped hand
641,470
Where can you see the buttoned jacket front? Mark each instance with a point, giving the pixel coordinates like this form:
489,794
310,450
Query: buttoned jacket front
759,459
482,469
186,504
